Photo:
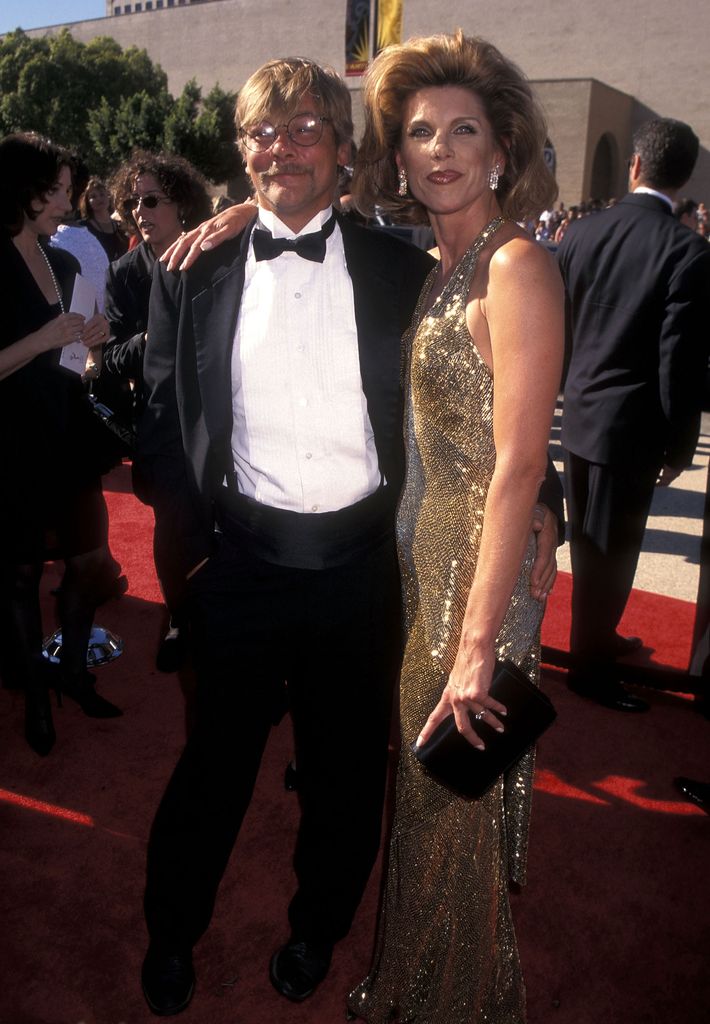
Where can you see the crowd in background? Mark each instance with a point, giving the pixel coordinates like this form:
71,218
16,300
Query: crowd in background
552,224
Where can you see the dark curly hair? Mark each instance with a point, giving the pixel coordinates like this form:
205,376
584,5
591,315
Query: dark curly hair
180,181
29,167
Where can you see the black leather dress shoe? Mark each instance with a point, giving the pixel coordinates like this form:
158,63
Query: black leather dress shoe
608,694
697,792
168,981
298,968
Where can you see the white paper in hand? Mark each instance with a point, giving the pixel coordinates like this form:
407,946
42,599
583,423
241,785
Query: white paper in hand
83,301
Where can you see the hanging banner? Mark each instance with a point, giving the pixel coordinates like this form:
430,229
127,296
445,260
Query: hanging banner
357,36
388,23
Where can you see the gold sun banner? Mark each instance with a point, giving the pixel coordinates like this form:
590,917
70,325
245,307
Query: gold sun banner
388,23
357,36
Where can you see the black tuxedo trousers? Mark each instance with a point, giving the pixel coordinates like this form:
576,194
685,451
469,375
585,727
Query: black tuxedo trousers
327,643
608,507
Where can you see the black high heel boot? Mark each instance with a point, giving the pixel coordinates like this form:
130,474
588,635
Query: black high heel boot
81,688
39,727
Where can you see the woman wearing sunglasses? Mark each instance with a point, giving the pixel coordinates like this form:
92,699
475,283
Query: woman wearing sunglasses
163,195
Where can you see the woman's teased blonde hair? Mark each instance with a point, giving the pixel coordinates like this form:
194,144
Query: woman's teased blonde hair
526,185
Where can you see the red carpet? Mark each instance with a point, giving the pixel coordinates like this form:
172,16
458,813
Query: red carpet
665,623
613,925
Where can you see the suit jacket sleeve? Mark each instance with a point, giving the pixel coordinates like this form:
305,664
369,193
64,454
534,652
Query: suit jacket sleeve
683,357
162,478
551,495
123,353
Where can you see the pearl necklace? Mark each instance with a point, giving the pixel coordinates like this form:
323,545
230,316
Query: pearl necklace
54,280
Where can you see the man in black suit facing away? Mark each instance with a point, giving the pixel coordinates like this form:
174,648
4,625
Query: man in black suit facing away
272,451
637,283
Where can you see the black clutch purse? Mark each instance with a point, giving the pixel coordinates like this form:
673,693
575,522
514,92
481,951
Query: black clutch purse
457,764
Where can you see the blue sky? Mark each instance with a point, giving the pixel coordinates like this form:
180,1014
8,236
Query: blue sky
38,13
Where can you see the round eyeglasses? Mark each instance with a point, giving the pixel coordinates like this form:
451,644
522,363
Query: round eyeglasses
303,129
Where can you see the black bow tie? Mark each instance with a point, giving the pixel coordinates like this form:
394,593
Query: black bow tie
310,247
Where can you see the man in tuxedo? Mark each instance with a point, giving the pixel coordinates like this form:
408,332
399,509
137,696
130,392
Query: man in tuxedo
637,283
272,451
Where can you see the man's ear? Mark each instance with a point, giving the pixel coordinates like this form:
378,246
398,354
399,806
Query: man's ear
635,170
344,154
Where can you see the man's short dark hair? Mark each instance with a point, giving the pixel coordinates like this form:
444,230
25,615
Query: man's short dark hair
668,150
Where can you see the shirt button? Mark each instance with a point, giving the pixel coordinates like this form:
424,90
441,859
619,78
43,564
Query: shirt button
297,295
314,508
309,455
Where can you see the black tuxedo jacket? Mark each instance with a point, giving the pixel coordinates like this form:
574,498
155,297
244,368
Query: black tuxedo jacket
637,284
185,432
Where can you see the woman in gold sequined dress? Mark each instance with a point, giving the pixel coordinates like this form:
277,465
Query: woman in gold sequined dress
453,133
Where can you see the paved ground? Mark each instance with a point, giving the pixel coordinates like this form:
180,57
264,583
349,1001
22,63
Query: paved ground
670,559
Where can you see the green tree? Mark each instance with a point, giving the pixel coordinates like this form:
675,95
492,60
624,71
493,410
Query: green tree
136,122
103,101
203,131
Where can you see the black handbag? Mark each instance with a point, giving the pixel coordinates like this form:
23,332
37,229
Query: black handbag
458,765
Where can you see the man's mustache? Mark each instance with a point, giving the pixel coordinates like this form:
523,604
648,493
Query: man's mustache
285,169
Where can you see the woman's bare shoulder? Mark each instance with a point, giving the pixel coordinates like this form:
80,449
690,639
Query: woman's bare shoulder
520,260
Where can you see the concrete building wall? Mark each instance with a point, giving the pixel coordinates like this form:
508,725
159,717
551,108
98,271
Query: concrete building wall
640,50
587,119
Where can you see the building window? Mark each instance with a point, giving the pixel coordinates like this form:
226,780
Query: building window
138,8
117,10
149,5
127,9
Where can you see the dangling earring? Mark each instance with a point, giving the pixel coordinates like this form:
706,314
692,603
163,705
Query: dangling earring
403,183
493,177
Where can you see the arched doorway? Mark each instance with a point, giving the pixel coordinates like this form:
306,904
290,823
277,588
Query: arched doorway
605,168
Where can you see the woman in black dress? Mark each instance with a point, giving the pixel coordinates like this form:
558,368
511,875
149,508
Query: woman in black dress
49,456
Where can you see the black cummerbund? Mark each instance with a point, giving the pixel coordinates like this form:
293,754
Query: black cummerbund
306,540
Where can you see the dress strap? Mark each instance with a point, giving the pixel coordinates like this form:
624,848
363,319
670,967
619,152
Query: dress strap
462,276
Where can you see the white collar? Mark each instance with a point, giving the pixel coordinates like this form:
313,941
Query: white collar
269,220
645,190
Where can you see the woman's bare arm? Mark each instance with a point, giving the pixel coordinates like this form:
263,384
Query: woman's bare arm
211,233
523,312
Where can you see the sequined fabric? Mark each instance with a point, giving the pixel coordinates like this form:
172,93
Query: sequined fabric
445,951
